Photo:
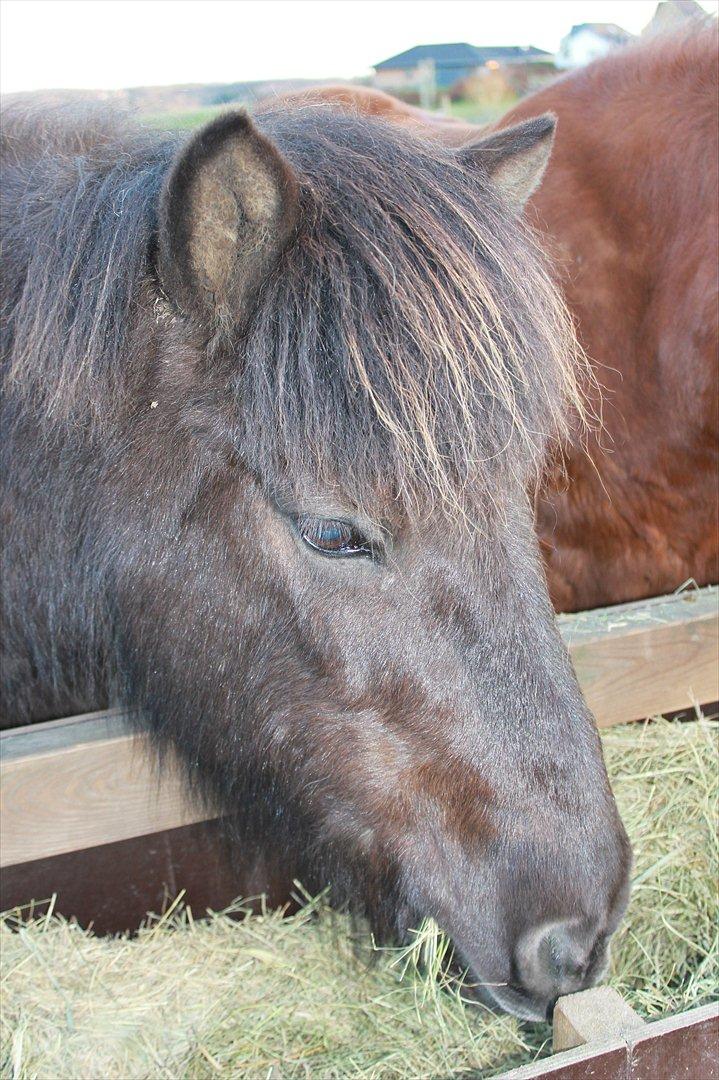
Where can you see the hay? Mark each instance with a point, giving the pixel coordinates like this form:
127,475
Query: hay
274,997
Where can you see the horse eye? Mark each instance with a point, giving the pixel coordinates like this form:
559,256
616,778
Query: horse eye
330,536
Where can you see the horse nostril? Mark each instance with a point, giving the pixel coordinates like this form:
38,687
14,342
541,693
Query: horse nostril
563,963
556,961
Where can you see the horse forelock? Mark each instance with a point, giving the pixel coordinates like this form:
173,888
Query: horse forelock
409,342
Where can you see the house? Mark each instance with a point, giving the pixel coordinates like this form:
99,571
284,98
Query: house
432,69
672,14
589,41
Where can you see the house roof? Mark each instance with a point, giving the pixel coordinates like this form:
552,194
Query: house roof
671,13
458,54
609,31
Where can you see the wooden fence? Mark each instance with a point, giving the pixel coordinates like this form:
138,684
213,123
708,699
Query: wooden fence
597,1036
73,784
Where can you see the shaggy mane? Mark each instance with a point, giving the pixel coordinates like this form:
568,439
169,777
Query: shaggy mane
409,343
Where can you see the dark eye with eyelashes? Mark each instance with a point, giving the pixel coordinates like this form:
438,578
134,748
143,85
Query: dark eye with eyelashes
334,537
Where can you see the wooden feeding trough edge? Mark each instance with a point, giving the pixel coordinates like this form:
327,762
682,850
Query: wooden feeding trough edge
609,1041
69,785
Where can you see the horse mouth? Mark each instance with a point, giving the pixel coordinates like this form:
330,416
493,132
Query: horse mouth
505,998
502,997
497,996
519,1002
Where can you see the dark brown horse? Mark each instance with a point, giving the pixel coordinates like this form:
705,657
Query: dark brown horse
628,209
274,400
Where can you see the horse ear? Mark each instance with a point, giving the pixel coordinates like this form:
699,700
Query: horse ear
227,210
515,157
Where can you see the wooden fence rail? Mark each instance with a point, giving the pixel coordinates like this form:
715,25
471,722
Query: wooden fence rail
682,1047
73,784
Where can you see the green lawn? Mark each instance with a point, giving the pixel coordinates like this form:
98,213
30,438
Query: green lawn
477,112
180,121
472,111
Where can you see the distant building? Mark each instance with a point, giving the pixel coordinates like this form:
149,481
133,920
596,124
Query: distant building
432,69
590,41
671,14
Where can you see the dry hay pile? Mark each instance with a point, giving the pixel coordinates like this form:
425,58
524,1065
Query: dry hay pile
269,997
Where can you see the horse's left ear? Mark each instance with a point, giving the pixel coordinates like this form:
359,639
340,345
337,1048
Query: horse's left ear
228,208
515,157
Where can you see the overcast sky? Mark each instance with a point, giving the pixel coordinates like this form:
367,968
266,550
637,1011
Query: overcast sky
116,43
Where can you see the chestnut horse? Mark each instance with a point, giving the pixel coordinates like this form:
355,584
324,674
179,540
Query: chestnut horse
628,211
274,399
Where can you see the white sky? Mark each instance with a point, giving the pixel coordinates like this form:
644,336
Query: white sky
93,44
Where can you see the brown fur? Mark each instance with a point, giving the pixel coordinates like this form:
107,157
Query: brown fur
207,344
628,210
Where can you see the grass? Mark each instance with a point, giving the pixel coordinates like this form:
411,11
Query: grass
472,112
182,121
666,780
482,112
303,996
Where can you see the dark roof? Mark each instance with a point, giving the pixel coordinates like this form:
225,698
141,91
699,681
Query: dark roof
610,31
459,54
509,52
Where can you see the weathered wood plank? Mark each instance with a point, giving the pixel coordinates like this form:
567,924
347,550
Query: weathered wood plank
654,656
683,1047
82,785
112,887
590,1015
85,781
